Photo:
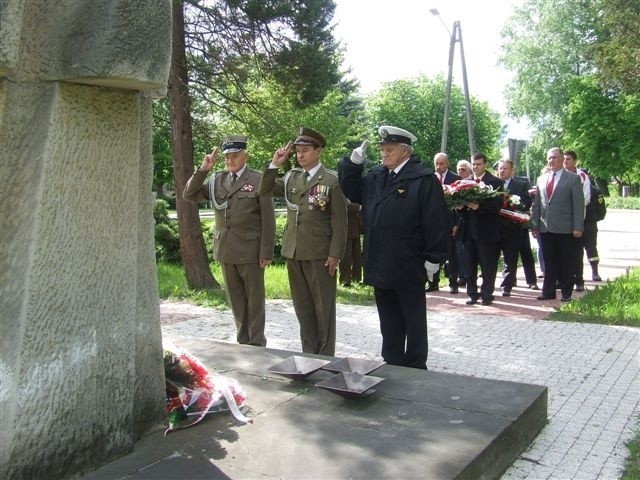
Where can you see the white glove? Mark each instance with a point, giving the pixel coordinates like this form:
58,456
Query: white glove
431,269
358,155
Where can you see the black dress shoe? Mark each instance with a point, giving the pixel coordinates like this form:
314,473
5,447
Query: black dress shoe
545,297
541,276
533,286
566,299
596,278
506,293
472,301
487,301
432,288
579,287
453,289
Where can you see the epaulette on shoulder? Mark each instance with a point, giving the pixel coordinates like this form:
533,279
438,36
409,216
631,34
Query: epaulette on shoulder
331,172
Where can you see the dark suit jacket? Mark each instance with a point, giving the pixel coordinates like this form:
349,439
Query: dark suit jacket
520,188
450,177
482,224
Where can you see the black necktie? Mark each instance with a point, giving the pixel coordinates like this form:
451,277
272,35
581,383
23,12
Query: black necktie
391,175
234,177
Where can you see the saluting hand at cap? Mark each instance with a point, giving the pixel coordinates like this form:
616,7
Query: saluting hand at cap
209,160
359,154
282,154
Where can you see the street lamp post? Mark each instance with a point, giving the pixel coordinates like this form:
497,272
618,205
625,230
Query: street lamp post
456,36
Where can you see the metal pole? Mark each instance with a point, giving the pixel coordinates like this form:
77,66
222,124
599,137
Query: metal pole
447,102
472,141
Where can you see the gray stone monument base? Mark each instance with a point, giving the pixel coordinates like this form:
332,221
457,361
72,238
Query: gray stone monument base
418,424
81,374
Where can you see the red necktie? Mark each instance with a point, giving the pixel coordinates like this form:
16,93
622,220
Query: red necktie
550,184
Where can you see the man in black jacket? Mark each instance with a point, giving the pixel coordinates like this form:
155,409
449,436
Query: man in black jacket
446,177
406,223
511,230
479,229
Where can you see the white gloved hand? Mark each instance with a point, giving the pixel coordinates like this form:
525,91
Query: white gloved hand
431,269
358,155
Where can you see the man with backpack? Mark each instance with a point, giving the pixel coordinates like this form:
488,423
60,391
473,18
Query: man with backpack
595,210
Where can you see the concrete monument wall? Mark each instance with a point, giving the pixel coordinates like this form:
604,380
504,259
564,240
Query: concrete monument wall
81,373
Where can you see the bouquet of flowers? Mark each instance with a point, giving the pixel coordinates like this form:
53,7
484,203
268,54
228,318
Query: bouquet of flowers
461,192
513,209
192,392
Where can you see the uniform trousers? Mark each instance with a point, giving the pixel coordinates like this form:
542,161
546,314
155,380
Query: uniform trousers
244,284
559,263
403,324
588,242
313,292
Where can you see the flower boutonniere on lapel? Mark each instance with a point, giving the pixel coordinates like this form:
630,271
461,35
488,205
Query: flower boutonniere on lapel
319,197
247,187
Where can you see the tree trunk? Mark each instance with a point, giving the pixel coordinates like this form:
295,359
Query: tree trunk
192,247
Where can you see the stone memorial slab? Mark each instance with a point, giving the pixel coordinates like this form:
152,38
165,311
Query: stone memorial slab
418,424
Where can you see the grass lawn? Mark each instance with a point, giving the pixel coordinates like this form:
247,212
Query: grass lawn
613,303
173,285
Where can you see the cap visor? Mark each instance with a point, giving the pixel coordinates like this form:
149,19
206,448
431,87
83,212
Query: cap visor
231,150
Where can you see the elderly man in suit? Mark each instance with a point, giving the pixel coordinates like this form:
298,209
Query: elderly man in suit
558,218
314,238
510,230
446,177
244,233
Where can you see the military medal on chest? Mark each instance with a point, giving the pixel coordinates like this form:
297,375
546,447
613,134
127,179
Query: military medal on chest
319,197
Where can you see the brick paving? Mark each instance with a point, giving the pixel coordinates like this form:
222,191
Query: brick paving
592,371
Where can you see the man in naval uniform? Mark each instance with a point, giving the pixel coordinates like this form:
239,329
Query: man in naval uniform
314,237
407,227
244,233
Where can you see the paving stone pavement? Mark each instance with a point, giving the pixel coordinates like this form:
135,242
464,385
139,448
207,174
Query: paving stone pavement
592,371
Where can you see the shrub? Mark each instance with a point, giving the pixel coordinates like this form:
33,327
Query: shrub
166,234
281,221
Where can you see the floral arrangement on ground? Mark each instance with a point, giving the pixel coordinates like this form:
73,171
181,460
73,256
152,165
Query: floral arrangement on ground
191,392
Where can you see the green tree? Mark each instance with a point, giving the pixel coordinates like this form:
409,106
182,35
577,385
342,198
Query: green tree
162,159
336,117
604,129
418,106
216,47
555,49
616,50
545,45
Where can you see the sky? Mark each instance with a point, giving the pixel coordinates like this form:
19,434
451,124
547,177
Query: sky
405,31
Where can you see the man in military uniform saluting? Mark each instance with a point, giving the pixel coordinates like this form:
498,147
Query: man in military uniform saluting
244,233
314,237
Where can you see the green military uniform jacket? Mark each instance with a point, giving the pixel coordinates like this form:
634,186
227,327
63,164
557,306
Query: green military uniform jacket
316,212
244,220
